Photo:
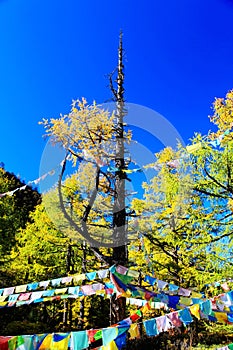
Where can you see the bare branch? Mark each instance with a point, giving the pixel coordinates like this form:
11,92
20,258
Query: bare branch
156,242
114,92
215,181
82,231
209,193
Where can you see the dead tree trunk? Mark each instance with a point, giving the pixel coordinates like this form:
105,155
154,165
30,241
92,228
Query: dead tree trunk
120,255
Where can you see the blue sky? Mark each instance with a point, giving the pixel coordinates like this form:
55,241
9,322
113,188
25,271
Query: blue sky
179,57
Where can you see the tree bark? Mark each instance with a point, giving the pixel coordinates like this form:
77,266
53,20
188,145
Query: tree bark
120,255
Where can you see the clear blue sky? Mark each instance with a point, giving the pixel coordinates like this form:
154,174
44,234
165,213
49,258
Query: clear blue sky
179,57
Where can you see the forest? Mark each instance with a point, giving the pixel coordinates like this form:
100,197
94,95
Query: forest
68,276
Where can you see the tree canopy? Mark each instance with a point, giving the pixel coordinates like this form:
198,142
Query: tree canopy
180,231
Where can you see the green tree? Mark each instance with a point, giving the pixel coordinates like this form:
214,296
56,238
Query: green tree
186,214
15,209
42,252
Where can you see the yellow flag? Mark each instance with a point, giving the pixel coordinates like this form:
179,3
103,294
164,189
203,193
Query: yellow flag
193,148
3,303
145,308
185,301
21,289
47,342
194,309
80,277
196,295
134,331
110,346
126,294
60,291
60,345
221,317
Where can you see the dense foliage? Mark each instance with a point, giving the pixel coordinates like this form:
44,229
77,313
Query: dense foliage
181,230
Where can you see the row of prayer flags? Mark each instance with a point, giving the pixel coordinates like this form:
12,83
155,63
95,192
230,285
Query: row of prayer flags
168,294
171,288
115,337
184,297
173,164
33,182
192,149
174,297
112,169
200,309
214,143
102,274
218,308
108,338
20,299
29,287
